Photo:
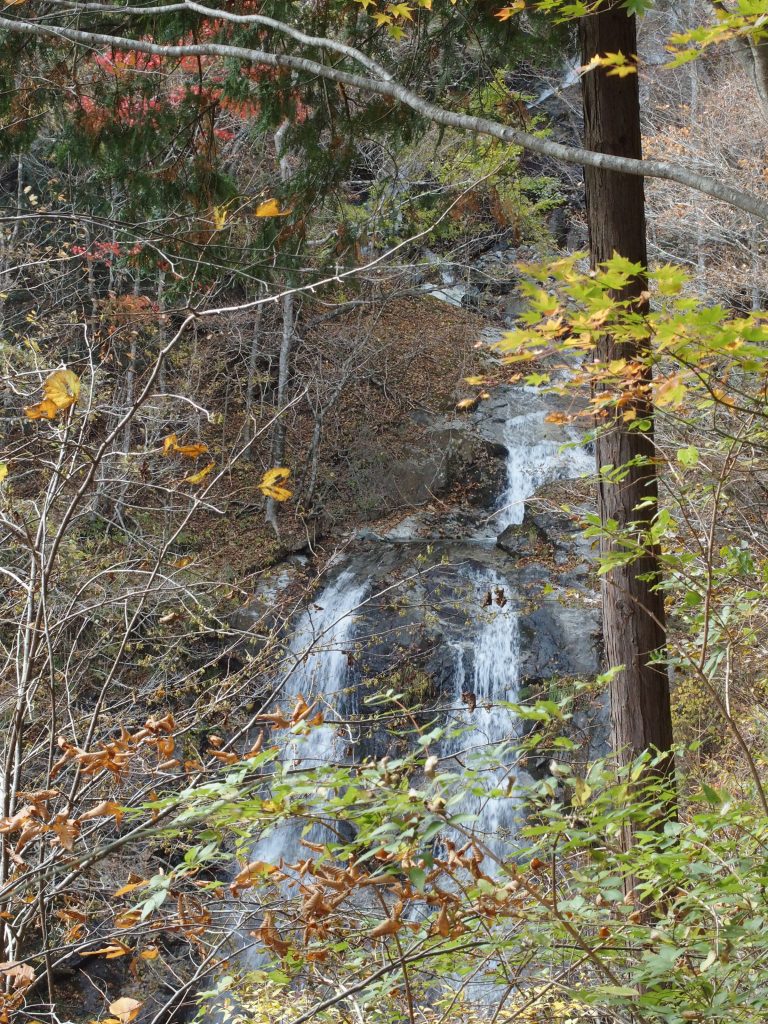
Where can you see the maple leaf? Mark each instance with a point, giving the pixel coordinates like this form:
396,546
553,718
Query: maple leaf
272,481
382,19
219,217
3,471
270,208
197,478
400,11
61,390
367,3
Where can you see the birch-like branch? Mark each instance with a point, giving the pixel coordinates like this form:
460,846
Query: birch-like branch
661,169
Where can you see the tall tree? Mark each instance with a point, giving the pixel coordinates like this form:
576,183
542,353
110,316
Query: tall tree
633,608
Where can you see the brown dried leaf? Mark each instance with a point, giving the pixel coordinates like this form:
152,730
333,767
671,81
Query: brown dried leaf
388,927
105,809
125,1009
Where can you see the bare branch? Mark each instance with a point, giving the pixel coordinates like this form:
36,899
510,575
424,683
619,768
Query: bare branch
662,169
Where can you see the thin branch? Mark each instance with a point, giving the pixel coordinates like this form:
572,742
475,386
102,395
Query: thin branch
664,170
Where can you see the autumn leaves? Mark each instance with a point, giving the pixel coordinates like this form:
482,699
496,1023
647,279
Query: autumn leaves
61,392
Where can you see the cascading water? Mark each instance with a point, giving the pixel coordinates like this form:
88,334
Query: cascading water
317,667
533,460
486,675
482,647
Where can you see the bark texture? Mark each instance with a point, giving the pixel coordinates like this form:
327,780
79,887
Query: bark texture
633,615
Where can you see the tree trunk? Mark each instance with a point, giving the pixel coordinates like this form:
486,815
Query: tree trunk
633,614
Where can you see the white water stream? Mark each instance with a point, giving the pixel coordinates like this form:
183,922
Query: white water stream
533,460
317,667
487,674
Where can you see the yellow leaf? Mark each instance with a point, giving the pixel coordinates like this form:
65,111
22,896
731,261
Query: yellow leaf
400,11
169,444
508,12
150,953
467,404
474,380
182,563
271,208
219,217
197,478
382,19
61,390
125,1009
3,471
43,410
271,483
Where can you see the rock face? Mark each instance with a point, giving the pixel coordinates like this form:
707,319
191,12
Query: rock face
460,608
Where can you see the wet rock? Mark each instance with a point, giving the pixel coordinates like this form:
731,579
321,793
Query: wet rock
560,638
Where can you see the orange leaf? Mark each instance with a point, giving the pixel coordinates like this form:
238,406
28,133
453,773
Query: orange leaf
111,952
270,936
129,887
66,831
43,410
508,12
271,208
192,450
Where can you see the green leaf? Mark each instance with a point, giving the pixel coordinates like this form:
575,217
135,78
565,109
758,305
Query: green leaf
688,456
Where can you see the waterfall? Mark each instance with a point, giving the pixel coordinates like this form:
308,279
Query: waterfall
317,666
533,460
486,674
